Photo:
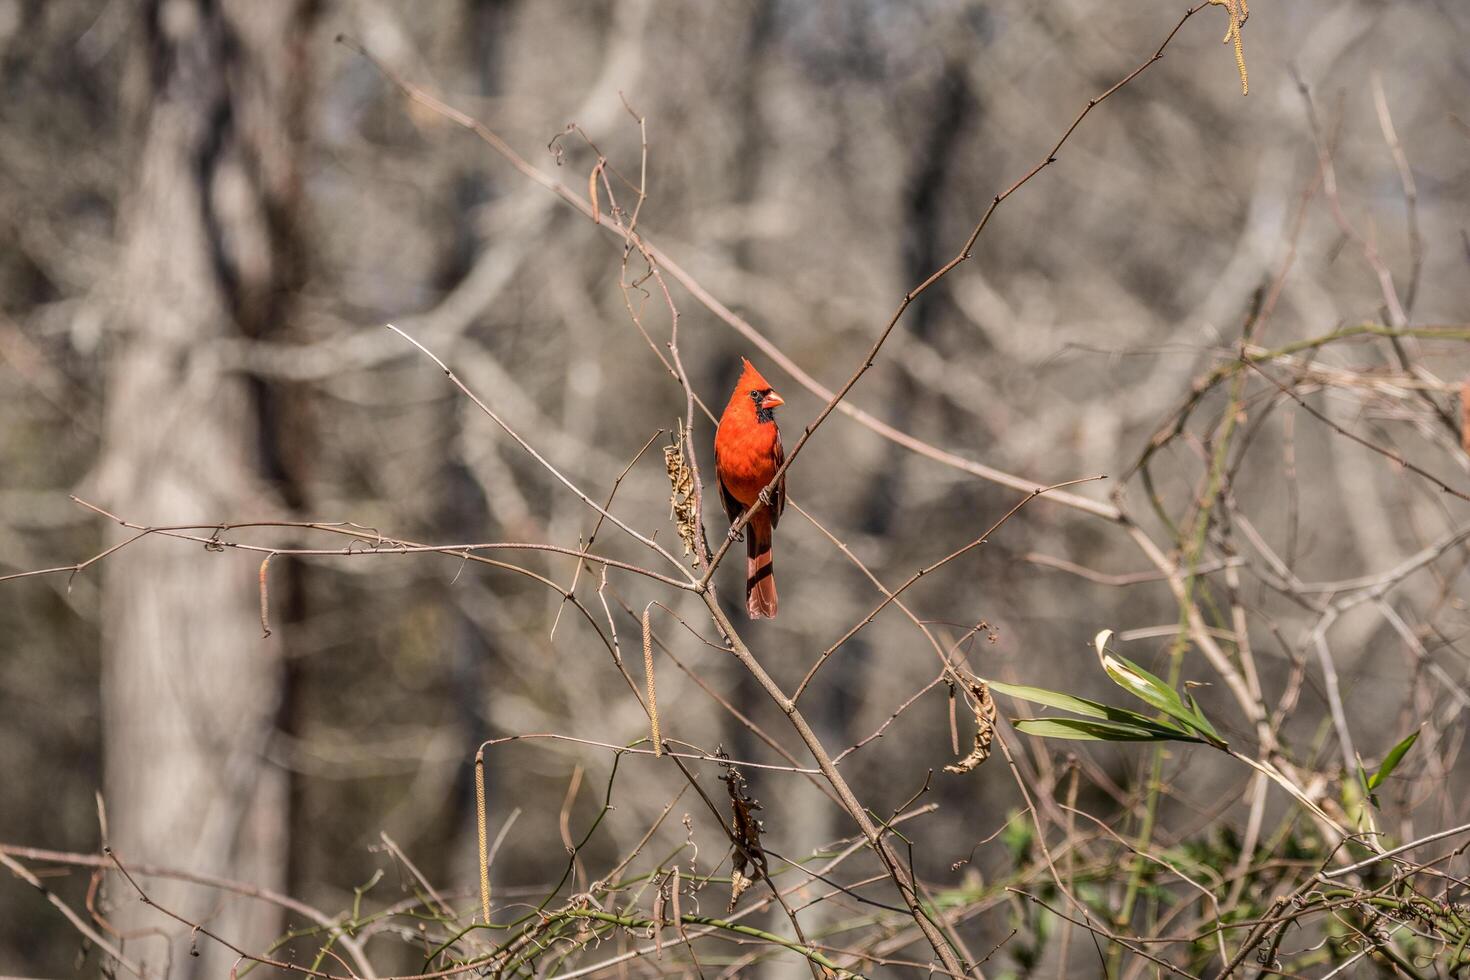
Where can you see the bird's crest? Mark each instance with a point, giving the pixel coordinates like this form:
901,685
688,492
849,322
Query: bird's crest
750,378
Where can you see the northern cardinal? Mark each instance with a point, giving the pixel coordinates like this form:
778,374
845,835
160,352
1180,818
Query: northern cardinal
747,455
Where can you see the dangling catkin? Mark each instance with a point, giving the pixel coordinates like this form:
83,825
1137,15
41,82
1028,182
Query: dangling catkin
658,745
480,821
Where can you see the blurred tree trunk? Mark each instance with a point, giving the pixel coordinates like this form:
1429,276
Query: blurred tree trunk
191,690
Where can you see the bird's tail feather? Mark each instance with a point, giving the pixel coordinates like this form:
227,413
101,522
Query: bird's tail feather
760,577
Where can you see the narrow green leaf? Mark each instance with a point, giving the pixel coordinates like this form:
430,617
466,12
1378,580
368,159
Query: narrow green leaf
1083,706
1392,760
1088,730
1368,793
1052,699
1135,680
1153,690
1143,685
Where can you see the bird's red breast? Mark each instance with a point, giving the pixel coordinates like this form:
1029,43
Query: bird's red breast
747,455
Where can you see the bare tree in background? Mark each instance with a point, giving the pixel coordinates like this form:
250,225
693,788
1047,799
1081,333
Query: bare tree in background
207,257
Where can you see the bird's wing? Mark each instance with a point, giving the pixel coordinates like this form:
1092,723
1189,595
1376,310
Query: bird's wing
778,496
733,509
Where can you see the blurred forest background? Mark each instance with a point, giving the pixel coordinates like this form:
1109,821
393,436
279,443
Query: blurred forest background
208,211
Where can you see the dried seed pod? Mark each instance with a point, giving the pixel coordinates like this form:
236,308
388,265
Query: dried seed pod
681,491
746,831
984,708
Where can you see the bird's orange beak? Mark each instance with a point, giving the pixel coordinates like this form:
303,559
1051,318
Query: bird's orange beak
773,400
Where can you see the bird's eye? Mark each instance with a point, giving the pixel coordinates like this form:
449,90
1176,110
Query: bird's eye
754,393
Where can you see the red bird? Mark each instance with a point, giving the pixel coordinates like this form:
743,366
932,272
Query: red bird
747,455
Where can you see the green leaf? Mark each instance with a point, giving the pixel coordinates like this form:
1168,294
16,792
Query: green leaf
1145,686
1391,761
1084,706
1088,730
1137,681
1152,690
